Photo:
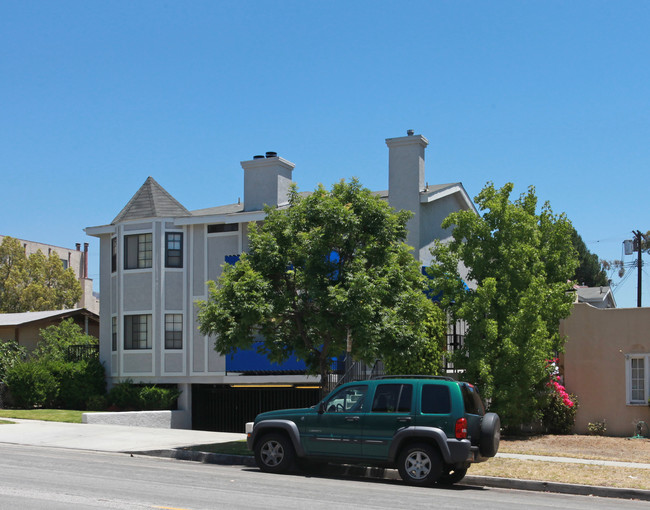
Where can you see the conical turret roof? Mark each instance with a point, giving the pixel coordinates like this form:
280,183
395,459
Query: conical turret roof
151,201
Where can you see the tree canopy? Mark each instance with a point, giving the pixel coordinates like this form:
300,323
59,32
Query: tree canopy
329,272
57,339
34,283
519,263
590,271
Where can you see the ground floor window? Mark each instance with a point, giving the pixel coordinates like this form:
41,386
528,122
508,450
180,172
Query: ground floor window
114,334
636,374
137,332
173,331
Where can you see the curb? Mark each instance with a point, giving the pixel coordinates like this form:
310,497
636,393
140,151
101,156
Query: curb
205,457
391,474
557,487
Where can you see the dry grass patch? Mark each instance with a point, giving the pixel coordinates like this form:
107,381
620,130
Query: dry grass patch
582,474
584,447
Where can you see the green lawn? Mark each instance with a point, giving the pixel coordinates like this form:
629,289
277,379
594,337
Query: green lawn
43,414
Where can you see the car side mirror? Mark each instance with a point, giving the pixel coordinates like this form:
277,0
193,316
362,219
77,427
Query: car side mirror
321,408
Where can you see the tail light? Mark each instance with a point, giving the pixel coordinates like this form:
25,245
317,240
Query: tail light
461,428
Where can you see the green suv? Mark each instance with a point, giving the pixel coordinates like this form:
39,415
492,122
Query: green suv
430,428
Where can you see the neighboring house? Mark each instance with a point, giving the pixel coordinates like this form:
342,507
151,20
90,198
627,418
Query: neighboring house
156,257
75,259
606,363
598,297
25,327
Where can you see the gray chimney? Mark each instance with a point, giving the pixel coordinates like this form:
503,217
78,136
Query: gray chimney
406,179
266,181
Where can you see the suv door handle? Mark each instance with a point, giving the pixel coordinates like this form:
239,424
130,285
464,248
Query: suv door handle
352,418
404,419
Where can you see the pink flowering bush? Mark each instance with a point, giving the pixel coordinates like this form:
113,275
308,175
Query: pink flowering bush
560,413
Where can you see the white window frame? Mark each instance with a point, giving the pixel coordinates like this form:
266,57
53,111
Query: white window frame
144,319
143,253
645,357
174,330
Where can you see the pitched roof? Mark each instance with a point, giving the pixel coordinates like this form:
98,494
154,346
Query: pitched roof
600,297
17,319
151,201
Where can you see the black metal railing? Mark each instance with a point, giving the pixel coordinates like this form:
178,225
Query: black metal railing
82,352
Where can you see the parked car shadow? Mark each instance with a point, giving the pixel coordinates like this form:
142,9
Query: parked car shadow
363,474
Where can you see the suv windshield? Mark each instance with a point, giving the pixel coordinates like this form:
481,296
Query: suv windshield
348,399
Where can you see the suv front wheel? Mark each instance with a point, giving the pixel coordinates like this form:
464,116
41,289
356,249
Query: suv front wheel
274,453
420,464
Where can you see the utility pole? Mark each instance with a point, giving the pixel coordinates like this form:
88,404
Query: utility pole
638,236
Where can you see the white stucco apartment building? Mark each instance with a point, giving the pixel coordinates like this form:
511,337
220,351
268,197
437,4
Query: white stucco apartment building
156,257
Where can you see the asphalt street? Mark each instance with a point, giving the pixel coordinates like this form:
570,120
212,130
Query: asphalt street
165,443
38,477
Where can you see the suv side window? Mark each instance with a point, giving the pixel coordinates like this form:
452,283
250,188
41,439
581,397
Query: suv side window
471,399
391,398
347,400
436,399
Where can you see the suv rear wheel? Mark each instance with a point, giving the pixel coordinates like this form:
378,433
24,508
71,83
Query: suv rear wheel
274,453
420,464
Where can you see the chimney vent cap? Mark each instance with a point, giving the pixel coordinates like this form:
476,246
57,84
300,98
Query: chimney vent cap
271,154
410,132
258,156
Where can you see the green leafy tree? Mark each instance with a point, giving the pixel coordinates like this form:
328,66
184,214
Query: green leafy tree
329,272
34,283
55,340
10,354
590,270
12,269
520,263
424,355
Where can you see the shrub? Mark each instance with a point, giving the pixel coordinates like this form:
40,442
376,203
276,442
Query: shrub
31,384
128,396
97,403
597,428
124,395
78,381
558,416
155,398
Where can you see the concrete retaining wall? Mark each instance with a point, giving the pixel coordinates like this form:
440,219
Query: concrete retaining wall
153,419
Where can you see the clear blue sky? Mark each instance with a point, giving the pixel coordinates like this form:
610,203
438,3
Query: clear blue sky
96,96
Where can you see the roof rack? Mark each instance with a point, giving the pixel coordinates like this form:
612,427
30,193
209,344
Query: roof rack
439,377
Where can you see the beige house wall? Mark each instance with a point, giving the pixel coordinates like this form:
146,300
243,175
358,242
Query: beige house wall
28,335
594,364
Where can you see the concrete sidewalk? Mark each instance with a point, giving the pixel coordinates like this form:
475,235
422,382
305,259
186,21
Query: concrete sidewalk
169,443
106,438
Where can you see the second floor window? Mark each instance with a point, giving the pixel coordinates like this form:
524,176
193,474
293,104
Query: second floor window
173,249
138,251
113,254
